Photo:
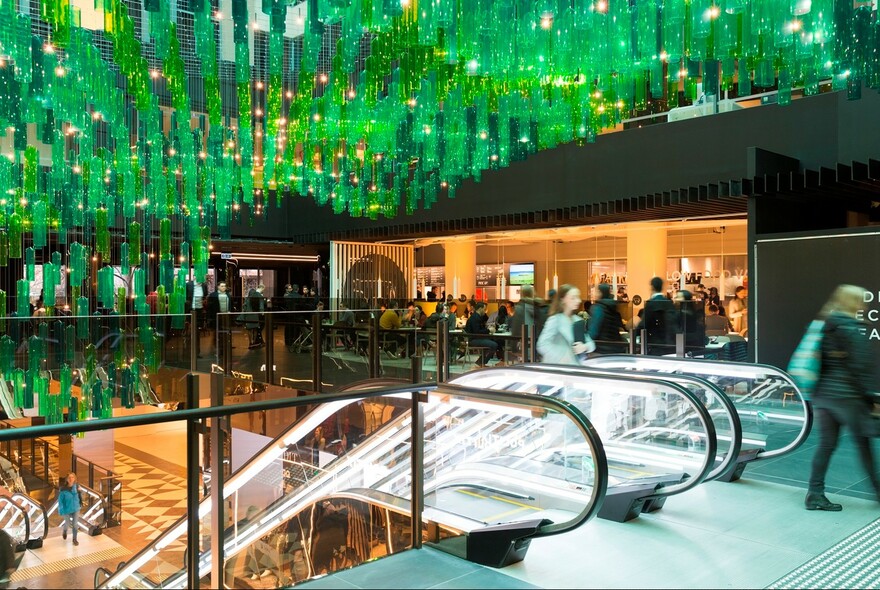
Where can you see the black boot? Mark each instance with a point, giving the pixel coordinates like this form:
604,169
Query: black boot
820,502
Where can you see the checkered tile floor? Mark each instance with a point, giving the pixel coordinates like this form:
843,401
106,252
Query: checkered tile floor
152,501
852,563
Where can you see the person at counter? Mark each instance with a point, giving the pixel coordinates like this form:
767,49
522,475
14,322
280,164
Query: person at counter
738,311
605,323
475,328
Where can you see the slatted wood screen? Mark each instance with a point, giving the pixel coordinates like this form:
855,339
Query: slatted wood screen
363,273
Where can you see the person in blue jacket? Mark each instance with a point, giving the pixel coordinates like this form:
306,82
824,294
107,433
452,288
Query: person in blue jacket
69,506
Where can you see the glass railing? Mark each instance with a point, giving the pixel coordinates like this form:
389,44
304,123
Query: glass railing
774,416
659,437
319,351
728,428
351,459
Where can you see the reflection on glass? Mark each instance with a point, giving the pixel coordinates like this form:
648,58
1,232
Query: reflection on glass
652,432
775,419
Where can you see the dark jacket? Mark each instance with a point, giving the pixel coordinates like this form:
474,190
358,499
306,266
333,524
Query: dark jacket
847,365
605,327
476,324
660,320
212,306
432,320
254,305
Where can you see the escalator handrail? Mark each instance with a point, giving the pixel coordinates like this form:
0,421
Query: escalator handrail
728,463
800,439
24,516
23,499
600,481
702,412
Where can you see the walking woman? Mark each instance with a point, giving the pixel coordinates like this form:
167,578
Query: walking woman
844,393
557,342
69,506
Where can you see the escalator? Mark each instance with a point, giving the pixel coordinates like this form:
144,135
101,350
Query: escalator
270,496
659,437
728,427
775,418
38,522
14,520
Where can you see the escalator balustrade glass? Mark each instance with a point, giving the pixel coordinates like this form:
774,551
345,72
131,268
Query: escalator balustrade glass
774,416
656,434
38,522
728,428
334,489
14,520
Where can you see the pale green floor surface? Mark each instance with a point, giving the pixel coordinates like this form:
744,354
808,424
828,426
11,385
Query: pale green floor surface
746,534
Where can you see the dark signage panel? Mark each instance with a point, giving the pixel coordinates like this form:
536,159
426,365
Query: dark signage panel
794,279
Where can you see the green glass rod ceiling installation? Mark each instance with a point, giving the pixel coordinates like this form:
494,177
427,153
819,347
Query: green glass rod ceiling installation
159,123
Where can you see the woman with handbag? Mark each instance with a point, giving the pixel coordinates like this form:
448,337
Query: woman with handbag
557,342
844,393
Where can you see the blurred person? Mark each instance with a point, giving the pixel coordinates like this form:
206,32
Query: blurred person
690,322
557,343
738,311
216,303
621,295
605,322
845,392
255,305
659,320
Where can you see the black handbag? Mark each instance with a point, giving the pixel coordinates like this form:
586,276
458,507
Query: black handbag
871,422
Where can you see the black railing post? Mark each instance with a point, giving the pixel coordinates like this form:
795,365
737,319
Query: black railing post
227,343
270,349
218,508
644,338
417,457
193,484
416,368
316,352
193,340
442,350
532,344
373,348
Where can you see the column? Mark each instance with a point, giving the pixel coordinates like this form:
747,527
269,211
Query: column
461,266
645,258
